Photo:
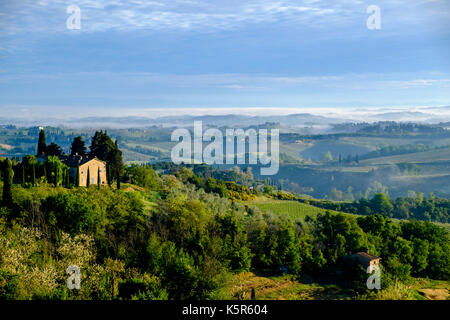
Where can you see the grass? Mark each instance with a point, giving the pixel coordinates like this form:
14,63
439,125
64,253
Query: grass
428,289
298,211
280,287
418,157
286,287
293,209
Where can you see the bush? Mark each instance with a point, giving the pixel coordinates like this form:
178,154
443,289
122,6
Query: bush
148,288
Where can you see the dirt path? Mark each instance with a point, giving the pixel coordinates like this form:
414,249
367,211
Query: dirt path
435,294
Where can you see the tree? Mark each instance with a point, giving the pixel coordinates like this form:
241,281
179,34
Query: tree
67,182
56,176
42,144
78,147
88,182
56,169
45,172
33,174
381,204
77,178
105,149
99,179
54,150
115,161
101,146
29,163
8,175
349,159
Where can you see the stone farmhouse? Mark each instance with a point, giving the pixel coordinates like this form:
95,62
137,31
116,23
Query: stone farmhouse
80,166
365,259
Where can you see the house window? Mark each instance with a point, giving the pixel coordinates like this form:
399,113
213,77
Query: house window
82,171
93,180
100,169
82,179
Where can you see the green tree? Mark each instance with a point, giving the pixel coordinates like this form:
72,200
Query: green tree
8,175
23,176
381,204
54,150
78,147
105,149
29,163
116,163
56,169
99,179
42,144
77,177
88,182
33,174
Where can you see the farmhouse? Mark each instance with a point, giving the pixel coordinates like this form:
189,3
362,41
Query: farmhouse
83,167
365,259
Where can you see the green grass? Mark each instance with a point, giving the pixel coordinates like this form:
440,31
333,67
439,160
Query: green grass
418,157
279,287
293,209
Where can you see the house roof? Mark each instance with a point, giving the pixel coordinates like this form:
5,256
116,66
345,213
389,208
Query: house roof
367,256
76,161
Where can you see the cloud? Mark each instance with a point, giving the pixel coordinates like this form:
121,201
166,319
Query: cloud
125,15
417,83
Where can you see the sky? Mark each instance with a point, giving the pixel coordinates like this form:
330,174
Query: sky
210,54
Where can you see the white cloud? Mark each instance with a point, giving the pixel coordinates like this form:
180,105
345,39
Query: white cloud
205,15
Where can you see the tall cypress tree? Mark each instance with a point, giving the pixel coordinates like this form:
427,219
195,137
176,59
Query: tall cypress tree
67,180
42,144
45,173
88,182
108,175
56,176
8,175
77,178
33,175
99,179
23,176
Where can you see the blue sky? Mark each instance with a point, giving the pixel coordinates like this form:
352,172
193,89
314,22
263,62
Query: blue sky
219,54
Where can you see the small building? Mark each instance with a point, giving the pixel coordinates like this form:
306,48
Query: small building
95,167
365,259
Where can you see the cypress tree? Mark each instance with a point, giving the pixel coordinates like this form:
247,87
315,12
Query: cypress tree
88,182
56,176
33,175
45,172
23,176
99,179
108,174
42,144
8,175
77,178
67,178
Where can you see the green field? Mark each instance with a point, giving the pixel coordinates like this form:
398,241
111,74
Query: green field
298,211
418,157
286,287
293,209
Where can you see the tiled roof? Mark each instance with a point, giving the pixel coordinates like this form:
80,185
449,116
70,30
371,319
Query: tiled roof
76,161
367,256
